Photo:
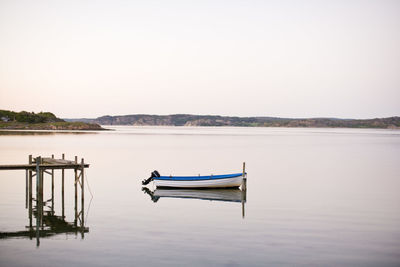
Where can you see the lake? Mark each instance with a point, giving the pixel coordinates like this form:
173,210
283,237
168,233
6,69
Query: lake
315,197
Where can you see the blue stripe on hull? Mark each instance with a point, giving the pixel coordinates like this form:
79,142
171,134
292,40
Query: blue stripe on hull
197,178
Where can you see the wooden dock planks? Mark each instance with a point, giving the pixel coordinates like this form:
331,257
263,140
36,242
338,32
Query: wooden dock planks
45,165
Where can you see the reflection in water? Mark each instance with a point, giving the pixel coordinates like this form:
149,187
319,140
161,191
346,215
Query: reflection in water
226,195
48,224
43,221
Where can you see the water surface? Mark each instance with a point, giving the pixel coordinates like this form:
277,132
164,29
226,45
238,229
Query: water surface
315,197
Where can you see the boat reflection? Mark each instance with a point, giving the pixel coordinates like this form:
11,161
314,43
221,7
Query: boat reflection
225,195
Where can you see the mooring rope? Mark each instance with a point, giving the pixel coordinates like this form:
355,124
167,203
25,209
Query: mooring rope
90,202
87,181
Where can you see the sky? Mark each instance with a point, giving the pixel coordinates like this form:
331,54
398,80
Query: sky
239,58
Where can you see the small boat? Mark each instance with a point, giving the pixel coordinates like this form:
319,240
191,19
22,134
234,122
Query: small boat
208,181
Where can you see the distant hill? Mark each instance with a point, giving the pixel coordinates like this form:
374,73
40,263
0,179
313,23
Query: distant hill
211,120
40,121
29,117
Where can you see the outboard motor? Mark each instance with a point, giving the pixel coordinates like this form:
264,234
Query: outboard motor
148,180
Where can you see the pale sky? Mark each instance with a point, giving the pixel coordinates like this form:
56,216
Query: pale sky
240,58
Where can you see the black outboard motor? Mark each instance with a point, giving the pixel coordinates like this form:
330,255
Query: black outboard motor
148,180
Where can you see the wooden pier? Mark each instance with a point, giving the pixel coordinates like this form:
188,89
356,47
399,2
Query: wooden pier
38,167
47,163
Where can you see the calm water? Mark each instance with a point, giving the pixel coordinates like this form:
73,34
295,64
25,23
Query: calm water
322,197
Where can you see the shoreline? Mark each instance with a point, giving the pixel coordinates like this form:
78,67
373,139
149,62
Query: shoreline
51,126
240,126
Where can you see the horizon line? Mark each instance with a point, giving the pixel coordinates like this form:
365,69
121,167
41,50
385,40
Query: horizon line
188,114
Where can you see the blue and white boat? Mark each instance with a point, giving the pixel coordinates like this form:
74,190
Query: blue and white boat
208,181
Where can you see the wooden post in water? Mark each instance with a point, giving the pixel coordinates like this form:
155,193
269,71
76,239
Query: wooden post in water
52,189
244,182
76,191
30,192
62,189
83,195
244,188
41,192
244,192
38,200
37,181
26,188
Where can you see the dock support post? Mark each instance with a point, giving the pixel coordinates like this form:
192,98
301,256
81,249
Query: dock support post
62,189
76,191
30,192
38,200
52,189
83,196
41,192
244,182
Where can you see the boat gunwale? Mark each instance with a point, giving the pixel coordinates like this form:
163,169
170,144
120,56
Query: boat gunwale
200,188
198,178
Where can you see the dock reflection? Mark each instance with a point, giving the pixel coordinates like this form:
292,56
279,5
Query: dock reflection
43,223
43,220
225,195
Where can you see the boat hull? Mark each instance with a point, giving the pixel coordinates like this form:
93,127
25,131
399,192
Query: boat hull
206,183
